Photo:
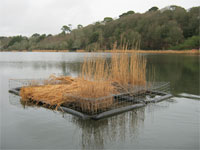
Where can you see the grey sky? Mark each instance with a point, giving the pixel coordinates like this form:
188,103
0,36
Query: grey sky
25,17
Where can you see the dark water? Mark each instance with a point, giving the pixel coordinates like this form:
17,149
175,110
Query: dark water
171,124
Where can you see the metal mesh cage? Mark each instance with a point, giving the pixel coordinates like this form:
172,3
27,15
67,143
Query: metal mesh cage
135,96
140,94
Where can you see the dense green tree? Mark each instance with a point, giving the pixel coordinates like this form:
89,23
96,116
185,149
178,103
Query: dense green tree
153,8
94,37
65,29
35,35
49,35
127,13
192,27
79,26
107,19
190,43
41,37
14,40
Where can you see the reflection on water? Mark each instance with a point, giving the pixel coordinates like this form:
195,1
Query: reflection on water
65,68
182,71
96,134
140,128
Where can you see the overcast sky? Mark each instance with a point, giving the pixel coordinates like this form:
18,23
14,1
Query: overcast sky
25,17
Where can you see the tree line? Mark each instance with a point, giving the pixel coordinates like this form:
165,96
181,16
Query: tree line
172,27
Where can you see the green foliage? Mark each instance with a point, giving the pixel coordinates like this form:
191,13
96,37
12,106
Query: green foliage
190,43
153,8
79,26
107,19
49,35
14,40
41,37
35,35
94,37
66,28
127,13
193,19
171,27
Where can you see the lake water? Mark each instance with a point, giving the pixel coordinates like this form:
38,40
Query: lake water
171,124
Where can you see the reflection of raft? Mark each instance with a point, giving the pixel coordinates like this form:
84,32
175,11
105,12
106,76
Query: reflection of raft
120,102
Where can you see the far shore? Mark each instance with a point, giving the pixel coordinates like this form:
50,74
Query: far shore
193,51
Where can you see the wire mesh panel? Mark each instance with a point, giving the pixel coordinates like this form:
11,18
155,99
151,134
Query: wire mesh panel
133,95
140,94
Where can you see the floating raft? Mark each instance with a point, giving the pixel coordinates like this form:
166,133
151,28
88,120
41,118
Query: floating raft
124,102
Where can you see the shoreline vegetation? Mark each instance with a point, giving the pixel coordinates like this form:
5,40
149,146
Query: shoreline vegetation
193,51
169,28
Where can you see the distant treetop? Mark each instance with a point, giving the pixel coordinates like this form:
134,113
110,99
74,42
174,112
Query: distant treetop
153,8
107,19
127,13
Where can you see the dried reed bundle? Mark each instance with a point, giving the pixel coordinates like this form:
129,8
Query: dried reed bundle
89,93
95,84
137,73
127,70
95,69
94,106
50,93
70,90
94,89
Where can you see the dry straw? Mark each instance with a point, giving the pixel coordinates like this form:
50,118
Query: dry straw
98,79
128,70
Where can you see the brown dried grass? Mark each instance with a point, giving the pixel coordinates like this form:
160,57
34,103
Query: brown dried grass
89,92
128,70
65,90
94,85
51,92
98,79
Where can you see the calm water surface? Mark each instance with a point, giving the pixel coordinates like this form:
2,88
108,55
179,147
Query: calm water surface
171,124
